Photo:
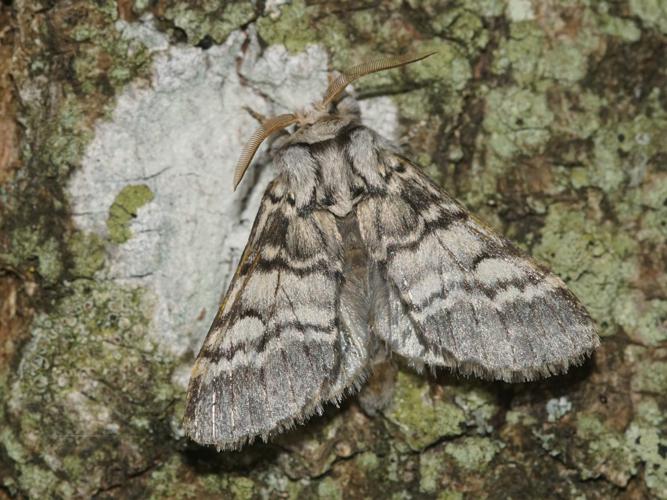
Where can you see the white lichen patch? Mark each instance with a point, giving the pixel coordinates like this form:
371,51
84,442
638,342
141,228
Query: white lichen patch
180,135
520,10
558,408
381,115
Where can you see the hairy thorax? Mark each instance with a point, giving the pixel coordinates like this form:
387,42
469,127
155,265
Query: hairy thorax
329,164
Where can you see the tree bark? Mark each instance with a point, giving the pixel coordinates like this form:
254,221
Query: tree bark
120,124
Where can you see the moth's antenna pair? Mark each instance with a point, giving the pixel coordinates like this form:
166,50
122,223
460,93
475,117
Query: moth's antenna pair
273,125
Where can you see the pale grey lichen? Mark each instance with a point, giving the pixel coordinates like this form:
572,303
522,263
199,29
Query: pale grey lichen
647,436
603,452
557,408
653,13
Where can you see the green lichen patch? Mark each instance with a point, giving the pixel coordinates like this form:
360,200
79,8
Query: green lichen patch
178,479
518,417
432,471
651,376
533,54
91,395
623,28
419,417
643,320
99,62
66,136
370,475
70,73
450,495
462,25
299,24
602,452
520,52
414,105
43,483
520,10
445,466
448,68
517,120
290,28
622,153
479,405
576,117
338,435
33,250
205,19
241,488
648,438
88,254
348,39
103,62
649,445
653,13
329,489
591,447
565,62
596,259
166,481
368,461
473,452
125,208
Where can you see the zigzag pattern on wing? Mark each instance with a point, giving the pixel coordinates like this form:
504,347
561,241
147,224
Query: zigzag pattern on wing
474,301
280,345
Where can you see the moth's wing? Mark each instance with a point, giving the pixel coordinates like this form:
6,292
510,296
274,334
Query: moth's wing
281,345
455,294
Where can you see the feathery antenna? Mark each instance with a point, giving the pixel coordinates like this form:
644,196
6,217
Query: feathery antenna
337,86
267,128
373,66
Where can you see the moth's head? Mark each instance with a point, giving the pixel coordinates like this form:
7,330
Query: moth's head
329,106
342,104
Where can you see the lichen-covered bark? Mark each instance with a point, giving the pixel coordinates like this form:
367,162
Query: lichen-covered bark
119,126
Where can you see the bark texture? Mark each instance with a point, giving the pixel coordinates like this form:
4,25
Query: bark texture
120,123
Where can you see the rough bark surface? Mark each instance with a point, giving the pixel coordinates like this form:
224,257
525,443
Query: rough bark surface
120,123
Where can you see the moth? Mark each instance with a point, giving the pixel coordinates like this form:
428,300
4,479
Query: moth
355,250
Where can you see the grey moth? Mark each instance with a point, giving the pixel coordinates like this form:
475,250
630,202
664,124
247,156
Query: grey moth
355,250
